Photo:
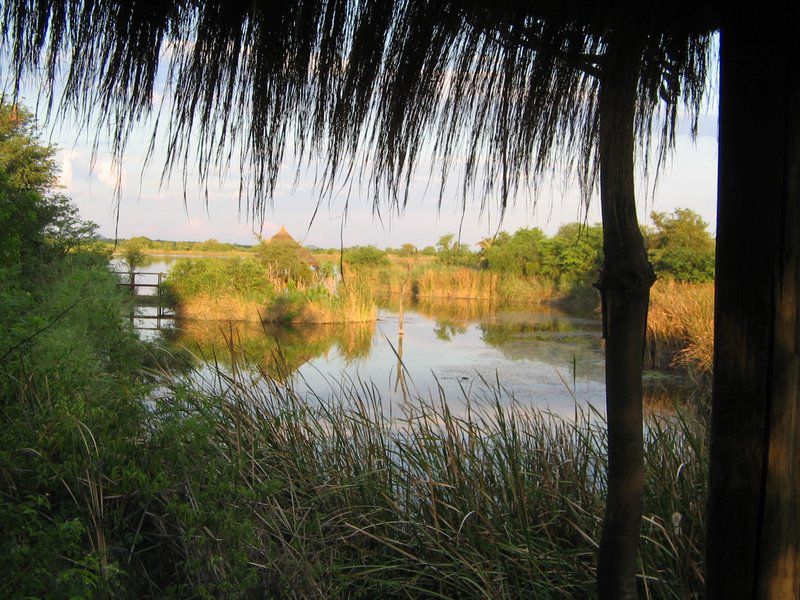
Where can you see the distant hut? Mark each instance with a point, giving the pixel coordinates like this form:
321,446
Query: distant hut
282,238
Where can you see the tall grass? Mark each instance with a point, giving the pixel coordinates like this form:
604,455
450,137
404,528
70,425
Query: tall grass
680,326
457,283
245,290
436,281
481,498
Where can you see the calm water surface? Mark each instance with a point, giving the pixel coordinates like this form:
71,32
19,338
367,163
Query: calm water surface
546,358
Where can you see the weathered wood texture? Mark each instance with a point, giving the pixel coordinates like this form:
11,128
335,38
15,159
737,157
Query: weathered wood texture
753,540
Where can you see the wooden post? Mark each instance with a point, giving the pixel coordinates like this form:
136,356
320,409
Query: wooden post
753,532
159,306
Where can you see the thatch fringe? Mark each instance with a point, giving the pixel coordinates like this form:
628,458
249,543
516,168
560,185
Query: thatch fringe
493,90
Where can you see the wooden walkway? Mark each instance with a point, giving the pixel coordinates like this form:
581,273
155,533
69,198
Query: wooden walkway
134,283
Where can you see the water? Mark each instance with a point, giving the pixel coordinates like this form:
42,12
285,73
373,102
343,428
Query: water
459,348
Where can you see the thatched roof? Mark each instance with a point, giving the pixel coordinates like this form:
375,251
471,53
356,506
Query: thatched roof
283,238
495,88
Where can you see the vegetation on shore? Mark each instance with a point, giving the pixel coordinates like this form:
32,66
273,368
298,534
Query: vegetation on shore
680,327
243,289
275,286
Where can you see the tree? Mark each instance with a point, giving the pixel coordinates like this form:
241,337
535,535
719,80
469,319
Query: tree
450,251
29,164
408,250
284,260
35,222
134,257
365,256
681,246
576,253
523,253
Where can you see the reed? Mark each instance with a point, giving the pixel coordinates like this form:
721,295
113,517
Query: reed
680,326
457,283
482,498
245,290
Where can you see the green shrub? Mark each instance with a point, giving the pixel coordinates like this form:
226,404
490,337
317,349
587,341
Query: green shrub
681,248
243,277
365,256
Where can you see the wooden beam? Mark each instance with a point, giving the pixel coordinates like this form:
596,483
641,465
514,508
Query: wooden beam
753,536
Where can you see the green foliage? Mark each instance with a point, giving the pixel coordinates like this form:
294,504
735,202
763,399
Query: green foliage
286,260
29,164
365,256
213,245
243,277
681,247
34,222
523,253
408,250
575,254
134,256
99,495
452,252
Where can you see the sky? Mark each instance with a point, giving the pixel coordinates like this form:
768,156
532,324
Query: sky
157,209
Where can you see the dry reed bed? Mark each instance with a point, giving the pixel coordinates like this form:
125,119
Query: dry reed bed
457,283
680,326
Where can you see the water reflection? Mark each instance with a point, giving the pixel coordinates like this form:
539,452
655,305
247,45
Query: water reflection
279,350
547,358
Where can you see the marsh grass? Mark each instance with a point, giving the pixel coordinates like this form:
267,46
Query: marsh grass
680,326
457,283
245,290
478,497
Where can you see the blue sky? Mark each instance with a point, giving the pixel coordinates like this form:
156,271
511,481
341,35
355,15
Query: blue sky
157,209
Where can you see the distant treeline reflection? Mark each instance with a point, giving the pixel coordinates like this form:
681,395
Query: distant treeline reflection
279,349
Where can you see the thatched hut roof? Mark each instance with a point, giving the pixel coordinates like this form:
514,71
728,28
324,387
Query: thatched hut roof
283,238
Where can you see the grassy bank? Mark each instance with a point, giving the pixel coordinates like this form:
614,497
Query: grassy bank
680,327
245,290
430,280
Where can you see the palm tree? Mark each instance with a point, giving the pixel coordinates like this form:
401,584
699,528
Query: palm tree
515,86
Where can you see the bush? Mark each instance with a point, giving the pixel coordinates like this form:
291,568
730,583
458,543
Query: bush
284,261
681,248
365,256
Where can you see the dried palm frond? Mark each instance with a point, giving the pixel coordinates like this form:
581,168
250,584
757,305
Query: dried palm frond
495,91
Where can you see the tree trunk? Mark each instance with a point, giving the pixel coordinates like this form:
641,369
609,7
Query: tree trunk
625,281
753,532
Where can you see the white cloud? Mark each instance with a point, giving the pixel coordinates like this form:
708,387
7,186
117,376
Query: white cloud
65,177
110,173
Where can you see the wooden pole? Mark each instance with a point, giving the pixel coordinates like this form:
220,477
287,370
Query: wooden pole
753,532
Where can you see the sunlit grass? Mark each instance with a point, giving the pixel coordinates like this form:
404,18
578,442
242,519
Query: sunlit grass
680,326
